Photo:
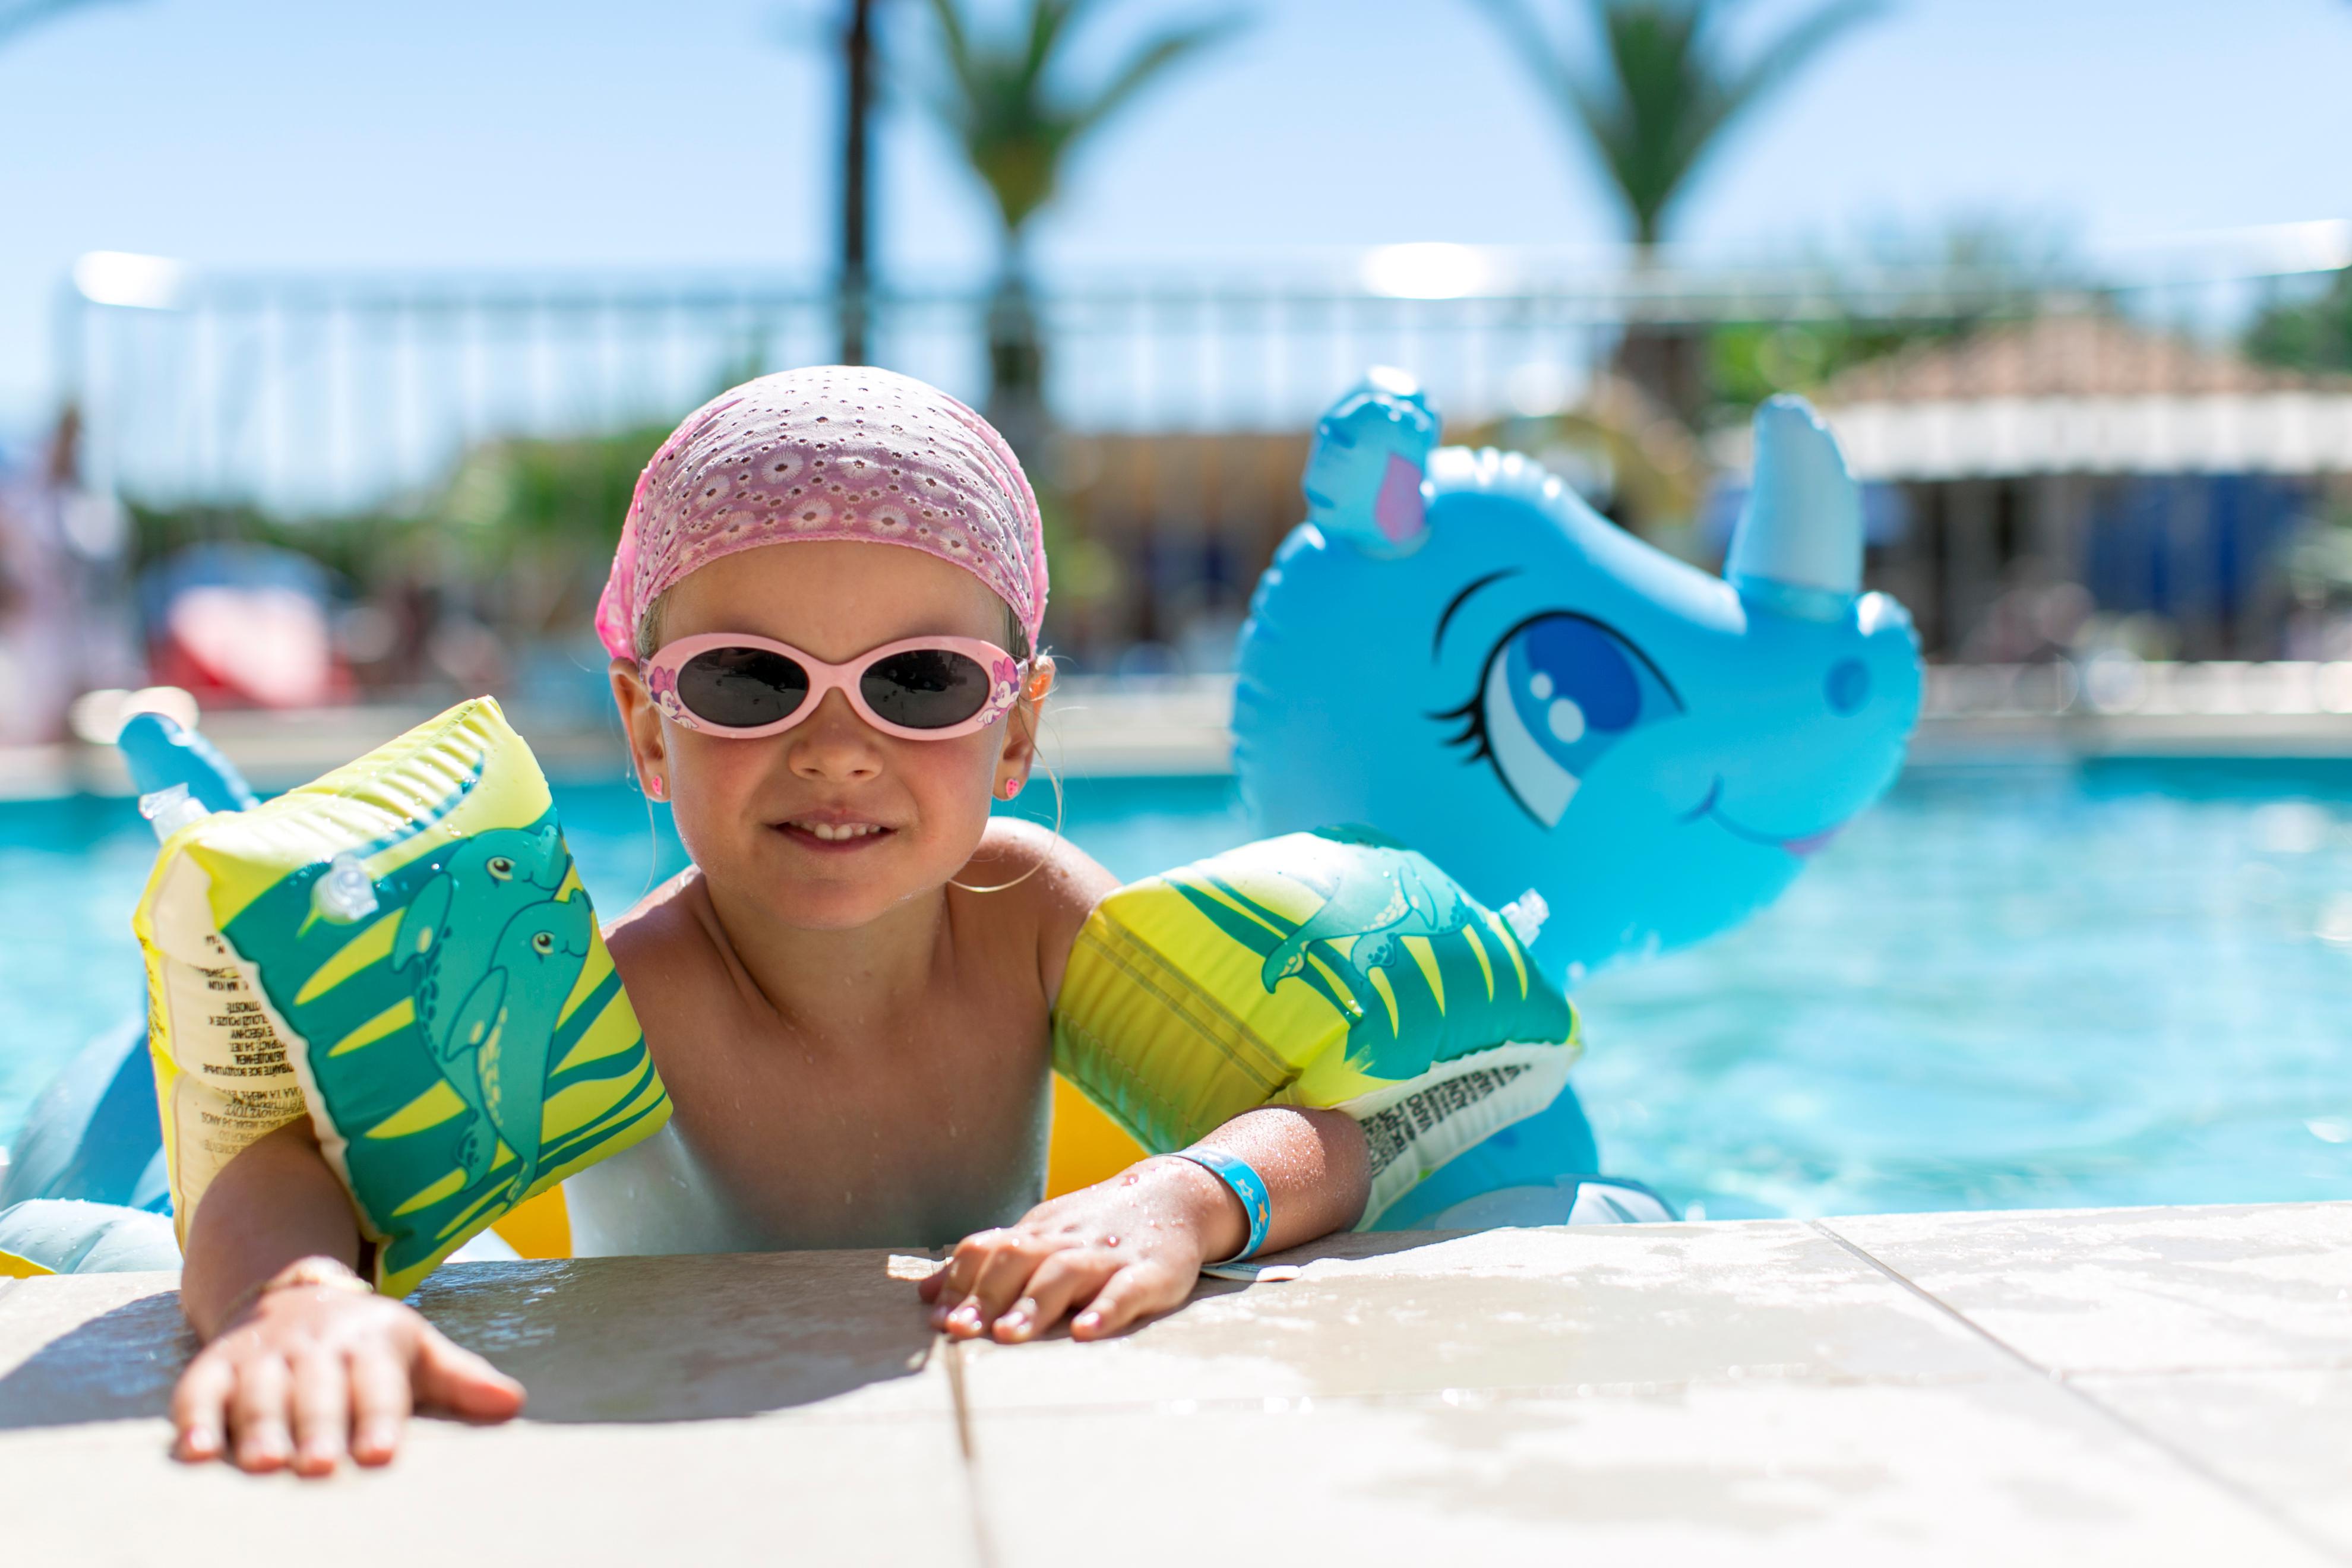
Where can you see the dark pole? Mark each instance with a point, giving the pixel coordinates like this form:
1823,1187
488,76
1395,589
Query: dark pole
856,175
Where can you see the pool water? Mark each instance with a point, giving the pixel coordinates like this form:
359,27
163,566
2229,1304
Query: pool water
2015,987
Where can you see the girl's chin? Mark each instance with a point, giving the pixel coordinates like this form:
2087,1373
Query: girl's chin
820,906
827,892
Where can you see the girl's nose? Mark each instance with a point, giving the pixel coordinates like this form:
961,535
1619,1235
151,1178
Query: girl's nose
834,743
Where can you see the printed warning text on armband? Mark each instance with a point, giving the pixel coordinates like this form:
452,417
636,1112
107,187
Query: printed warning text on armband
228,1120
220,1030
233,1083
1390,1134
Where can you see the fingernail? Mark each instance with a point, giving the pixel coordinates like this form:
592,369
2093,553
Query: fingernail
1089,1320
1014,1321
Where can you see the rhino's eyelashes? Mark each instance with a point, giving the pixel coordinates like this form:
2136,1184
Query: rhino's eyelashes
1555,694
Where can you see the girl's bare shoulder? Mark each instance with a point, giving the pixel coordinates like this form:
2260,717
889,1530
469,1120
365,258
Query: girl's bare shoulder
667,924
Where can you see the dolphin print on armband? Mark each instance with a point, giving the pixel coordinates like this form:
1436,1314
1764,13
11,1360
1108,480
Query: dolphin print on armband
1412,899
1454,649
457,937
497,1053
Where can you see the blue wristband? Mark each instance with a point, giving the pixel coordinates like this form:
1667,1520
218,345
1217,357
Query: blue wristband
1246,1185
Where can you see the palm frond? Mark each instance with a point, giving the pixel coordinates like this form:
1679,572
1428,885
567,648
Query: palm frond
1151,60
1048,20
1787,54
1663,98
1536,48
954,42
1017,125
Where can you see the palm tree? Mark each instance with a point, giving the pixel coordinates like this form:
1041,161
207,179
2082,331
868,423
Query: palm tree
1018,125
1658,108
1666,95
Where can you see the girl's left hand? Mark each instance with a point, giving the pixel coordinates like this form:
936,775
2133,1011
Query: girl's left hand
1112,1254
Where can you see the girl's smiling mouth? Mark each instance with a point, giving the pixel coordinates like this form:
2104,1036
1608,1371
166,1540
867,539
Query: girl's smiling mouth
827,832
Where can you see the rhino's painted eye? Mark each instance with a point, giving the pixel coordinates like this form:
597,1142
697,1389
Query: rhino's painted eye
501,868
1556,694
542,942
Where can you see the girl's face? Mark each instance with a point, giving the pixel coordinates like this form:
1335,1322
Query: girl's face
750,812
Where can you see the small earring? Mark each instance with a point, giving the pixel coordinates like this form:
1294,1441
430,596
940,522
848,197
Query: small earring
656,789
1010,788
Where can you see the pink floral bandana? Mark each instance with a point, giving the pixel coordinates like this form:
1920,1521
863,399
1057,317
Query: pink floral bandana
828,452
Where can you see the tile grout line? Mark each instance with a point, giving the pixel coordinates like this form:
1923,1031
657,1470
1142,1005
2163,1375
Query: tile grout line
2245,1497
983,1540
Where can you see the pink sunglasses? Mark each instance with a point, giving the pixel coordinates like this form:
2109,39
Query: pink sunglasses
921,689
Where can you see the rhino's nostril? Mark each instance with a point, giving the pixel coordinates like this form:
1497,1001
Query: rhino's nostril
1848,686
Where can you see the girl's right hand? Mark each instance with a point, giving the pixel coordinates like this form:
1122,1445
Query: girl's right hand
307,1372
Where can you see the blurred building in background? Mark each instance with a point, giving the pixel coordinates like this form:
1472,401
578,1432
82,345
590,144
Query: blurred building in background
2082,475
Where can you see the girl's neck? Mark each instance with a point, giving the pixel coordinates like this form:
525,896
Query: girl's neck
827,984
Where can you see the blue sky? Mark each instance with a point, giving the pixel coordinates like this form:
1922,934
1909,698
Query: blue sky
288,134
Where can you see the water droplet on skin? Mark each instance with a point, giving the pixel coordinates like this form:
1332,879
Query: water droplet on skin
1110,1241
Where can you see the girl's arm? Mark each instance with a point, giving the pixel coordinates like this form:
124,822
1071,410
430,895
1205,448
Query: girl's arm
305,1361
276,1202
1123,1249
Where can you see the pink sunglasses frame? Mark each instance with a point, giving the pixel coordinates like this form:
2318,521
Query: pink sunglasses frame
1005,673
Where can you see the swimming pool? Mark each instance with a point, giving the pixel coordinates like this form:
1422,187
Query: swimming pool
2007,987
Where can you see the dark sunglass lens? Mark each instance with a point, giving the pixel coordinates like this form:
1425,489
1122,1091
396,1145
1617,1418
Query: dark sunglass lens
742,687
926,689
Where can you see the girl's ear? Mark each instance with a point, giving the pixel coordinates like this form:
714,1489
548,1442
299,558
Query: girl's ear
1020,753
649,757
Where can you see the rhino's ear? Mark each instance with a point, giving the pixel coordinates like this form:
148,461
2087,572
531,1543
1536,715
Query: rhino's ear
1367,473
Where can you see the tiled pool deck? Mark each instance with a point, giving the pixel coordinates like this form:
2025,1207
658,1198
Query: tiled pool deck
2138,1386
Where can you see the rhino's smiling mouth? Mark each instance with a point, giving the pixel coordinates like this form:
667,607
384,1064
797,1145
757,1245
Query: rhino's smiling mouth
1801,847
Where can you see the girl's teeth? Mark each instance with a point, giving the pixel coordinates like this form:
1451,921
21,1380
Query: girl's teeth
835,832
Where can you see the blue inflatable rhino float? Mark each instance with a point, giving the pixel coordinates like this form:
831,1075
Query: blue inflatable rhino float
1455,649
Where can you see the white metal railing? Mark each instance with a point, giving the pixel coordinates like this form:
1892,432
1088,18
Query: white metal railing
342,391
2117,684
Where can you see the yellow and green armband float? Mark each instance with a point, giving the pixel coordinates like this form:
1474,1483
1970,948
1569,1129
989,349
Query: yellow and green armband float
402,952
1336,969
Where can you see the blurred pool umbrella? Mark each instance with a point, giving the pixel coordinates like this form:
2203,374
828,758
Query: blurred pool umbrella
1665,95
1018,122
243,624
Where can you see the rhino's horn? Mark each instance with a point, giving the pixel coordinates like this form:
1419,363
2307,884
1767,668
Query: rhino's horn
1801,528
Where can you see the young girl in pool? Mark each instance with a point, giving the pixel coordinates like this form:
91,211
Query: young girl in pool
823,618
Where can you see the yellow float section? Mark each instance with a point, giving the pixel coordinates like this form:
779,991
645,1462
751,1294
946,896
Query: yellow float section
540,1227
15,1268
1087,1147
